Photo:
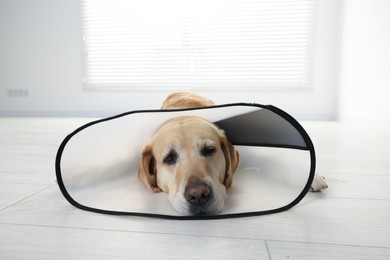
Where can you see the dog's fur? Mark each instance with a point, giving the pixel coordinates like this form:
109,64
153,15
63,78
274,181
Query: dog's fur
192,160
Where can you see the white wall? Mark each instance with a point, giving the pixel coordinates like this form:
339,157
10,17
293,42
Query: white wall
365,62
41,50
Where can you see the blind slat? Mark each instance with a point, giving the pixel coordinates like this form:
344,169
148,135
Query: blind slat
230,44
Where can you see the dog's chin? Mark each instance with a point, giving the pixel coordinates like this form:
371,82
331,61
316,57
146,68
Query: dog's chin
204,210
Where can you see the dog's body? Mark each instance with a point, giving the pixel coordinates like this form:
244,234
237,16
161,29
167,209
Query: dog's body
192,160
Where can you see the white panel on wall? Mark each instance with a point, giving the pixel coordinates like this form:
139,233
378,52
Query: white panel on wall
365,63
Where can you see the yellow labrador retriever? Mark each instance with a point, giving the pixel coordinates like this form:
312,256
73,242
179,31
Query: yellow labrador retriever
191,159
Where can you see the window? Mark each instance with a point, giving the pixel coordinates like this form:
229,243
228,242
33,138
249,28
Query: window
198,44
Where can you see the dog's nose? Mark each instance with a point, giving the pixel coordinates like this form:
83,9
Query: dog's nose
197,194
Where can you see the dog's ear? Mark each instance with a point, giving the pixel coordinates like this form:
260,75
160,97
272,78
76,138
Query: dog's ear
147,172
232,158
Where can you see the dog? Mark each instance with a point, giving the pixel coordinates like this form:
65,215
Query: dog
192,160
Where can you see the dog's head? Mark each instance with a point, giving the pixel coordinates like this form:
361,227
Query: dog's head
193,161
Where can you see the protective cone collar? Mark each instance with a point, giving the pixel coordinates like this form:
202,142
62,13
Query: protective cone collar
97,164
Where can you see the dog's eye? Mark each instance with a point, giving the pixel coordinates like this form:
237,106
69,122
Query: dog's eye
207,151
170,158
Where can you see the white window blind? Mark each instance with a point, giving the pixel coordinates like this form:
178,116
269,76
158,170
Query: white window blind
198,44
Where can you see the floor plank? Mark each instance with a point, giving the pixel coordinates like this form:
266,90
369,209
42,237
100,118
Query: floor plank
302,251
37,242
12,193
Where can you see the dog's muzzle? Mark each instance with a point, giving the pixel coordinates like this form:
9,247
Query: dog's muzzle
199,196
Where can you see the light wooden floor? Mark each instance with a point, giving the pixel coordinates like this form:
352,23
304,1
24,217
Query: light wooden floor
350,220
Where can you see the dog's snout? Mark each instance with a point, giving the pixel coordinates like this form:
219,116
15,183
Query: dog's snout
197,194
